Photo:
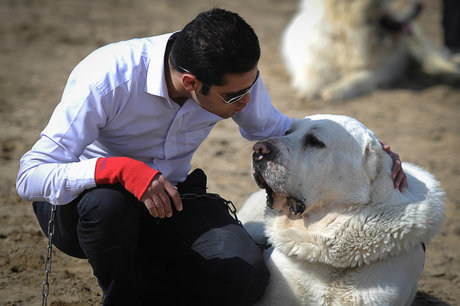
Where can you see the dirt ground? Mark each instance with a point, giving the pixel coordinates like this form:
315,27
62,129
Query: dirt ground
42,40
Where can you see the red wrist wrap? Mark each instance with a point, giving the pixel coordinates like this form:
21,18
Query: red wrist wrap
134,175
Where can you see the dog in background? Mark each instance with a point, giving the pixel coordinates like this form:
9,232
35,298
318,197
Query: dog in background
337,232
337,50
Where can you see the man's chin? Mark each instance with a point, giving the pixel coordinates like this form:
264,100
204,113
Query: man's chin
225,116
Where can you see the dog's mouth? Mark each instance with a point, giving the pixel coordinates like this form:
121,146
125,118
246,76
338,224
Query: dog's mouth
277,200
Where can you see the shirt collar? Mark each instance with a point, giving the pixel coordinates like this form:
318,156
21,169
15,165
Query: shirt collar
156,82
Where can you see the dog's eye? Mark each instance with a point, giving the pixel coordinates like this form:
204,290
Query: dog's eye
310,140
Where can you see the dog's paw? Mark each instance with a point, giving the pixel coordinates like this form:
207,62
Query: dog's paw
357,84
335,94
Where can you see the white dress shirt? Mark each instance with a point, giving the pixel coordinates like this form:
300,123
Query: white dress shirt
116,103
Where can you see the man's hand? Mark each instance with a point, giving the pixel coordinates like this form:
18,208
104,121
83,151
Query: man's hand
397,173
157,197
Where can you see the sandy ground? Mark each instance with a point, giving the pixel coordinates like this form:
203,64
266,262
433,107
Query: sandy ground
42,40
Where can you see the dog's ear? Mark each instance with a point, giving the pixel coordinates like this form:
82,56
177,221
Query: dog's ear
373,159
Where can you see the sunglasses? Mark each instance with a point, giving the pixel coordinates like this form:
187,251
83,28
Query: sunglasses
233,99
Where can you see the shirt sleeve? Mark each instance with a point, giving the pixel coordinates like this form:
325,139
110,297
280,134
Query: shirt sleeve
260,119
52,170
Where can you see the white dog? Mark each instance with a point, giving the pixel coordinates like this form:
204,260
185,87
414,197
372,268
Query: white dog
337,50
339,233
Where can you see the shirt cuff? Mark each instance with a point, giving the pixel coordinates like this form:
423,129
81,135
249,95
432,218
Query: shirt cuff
80,176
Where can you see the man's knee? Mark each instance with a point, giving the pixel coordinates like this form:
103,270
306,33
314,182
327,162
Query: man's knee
107,214
234,264
108,202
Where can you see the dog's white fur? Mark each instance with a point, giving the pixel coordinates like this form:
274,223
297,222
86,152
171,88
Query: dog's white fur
359,240
337,50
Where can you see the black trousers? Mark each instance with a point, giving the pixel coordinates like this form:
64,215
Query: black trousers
199,256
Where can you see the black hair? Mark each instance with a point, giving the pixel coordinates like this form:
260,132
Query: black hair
215,43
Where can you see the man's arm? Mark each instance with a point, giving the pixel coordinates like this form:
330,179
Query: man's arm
48,172
52,171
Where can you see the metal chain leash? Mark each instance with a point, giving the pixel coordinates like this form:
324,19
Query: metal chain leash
49,254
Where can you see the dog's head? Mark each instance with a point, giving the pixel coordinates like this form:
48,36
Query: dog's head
322,159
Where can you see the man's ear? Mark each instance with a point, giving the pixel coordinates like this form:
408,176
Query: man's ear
189,82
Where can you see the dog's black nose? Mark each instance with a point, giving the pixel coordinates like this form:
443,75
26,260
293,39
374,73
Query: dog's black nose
261,149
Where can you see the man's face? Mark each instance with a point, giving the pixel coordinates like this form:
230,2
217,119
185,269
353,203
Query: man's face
235,85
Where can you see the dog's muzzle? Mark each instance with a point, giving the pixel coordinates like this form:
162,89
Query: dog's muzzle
264,152
391,24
